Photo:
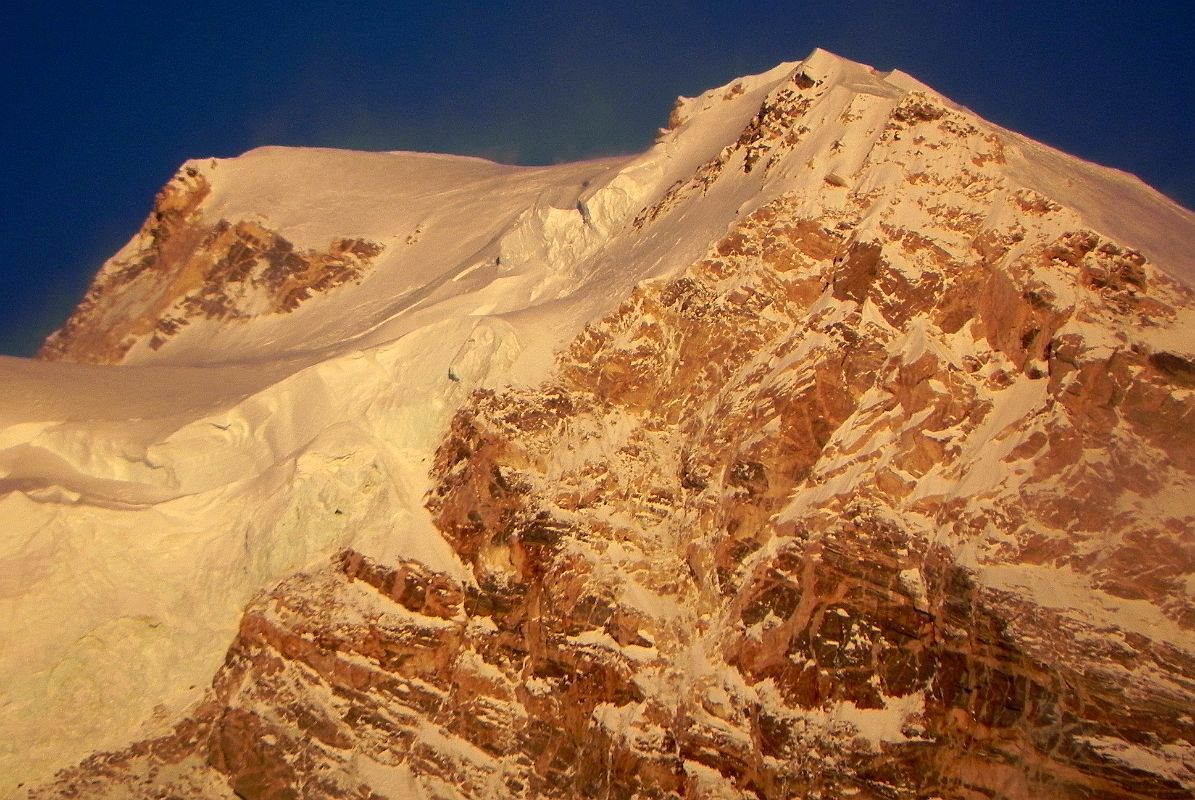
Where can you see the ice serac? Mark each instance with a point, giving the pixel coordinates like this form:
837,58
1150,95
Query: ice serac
841,445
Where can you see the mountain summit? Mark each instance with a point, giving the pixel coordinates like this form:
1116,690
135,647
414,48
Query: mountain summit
839,445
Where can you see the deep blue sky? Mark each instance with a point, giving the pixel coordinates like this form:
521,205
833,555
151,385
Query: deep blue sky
102,102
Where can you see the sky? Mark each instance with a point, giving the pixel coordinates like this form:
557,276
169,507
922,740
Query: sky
103,101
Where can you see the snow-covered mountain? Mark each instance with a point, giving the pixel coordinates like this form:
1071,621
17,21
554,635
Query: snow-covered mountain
842,444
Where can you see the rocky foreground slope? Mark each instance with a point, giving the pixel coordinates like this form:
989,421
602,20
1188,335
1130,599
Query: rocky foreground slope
864,470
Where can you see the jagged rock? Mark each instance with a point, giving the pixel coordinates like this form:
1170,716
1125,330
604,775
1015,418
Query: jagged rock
219,271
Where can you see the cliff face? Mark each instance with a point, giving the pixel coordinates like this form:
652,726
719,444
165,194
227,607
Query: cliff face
884,495
180,268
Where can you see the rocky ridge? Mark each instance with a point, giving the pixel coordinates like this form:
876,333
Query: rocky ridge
225,271
883,496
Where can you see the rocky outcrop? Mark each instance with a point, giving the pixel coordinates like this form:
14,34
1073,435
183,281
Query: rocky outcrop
181,268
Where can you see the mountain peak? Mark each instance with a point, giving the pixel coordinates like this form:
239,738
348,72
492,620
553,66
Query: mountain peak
838,444
818,124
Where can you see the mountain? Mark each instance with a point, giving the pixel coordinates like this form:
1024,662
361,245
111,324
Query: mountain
840,445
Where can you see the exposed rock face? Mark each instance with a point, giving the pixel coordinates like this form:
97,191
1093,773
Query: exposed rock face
887,496
180,268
